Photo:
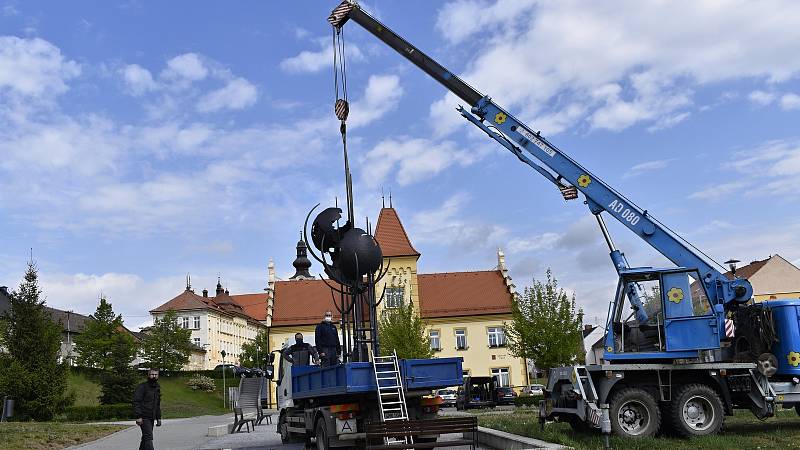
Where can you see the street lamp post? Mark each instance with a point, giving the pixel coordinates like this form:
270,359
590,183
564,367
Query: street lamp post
224,388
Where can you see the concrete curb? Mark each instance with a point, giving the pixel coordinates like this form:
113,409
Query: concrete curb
500,439
104,438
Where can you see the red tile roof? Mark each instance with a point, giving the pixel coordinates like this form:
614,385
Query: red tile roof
463,294
748,270
301,302
186,300
254,305
391,235
249,306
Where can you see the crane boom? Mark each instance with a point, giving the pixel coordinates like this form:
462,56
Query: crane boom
524,143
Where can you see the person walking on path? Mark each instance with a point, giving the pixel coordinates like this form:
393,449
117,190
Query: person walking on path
147,408
327,339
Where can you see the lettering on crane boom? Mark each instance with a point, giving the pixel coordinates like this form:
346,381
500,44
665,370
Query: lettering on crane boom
626,213
539,143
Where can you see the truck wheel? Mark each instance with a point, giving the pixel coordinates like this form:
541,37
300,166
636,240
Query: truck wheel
322,435
634,413
283,429
696,410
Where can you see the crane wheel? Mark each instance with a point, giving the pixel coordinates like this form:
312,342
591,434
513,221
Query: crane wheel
634,413
696,410
322,435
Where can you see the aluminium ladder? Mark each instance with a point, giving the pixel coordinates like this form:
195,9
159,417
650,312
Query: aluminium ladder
391,395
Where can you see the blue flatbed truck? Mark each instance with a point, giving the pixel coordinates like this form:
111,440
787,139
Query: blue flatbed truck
329,406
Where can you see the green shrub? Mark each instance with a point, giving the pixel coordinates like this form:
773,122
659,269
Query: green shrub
528,400
201,382
118,411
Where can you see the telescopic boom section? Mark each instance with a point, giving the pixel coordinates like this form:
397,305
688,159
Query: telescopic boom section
516,137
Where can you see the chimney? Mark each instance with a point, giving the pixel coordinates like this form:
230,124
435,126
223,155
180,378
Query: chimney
4,290
205,292
588,328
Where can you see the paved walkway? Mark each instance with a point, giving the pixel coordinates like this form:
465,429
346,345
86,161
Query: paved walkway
190,434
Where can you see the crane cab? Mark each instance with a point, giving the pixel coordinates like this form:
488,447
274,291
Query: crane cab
661,314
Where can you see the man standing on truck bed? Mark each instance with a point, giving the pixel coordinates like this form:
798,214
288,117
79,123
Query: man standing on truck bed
327,339
298,353
147,408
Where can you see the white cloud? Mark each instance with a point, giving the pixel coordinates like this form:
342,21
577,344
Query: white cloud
646,166
187,66
309,61
411,160
761,98
790,101
543,241
655,53
138,79
34,67
237,94
718,191
461,19
382,94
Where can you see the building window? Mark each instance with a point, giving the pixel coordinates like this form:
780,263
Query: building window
461,339
393,297
465,373
197,342
497,337
196,322
183,322
435,341
501,377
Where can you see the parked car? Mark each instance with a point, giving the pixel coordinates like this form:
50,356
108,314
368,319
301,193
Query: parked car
243,372
231,368
449,396
477,392
534,389
505,396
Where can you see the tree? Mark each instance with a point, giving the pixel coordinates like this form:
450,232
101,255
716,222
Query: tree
94,344
118,381
166,346
403,330
255,353
29,371
545,326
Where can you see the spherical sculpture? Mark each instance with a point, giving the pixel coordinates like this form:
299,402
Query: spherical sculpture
359,254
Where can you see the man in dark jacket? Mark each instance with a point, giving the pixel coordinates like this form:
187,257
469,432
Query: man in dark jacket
327,339
147,408
298,353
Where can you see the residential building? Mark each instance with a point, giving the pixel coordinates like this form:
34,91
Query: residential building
223,322
772,278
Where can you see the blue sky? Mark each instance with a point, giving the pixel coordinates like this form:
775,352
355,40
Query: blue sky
140,141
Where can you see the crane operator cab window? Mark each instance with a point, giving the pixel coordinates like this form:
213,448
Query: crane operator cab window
663,311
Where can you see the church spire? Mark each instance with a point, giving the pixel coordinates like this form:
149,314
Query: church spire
301,263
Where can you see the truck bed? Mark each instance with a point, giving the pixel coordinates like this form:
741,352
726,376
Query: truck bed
359,377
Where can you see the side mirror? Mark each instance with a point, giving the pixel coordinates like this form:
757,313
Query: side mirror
270,371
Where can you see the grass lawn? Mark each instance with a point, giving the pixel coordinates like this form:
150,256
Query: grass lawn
177,399
50,435
742,431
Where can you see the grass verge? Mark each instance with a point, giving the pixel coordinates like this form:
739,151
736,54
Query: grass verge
50,435
742,431
177,399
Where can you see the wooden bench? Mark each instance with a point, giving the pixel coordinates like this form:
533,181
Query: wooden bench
421,430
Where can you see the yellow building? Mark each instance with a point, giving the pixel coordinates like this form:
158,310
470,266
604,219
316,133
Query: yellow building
465,311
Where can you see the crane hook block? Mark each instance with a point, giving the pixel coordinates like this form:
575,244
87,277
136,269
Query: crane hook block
342,109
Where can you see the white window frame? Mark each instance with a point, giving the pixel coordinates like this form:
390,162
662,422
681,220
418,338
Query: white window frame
502,376
196,322
435,336
497,336
461,333
196,341
183,322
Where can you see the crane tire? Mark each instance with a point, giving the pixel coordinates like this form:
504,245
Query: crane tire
696,410
634,413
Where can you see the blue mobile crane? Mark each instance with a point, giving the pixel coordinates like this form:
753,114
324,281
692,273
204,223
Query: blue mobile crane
665,352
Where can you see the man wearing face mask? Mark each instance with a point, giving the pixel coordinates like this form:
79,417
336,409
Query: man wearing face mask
147,408
298,353
327,339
